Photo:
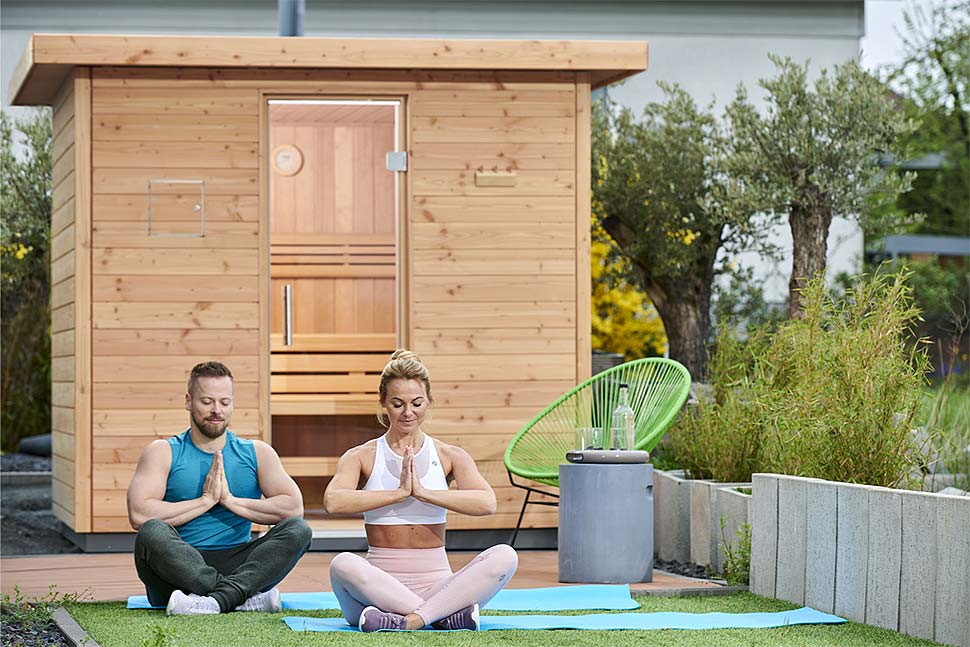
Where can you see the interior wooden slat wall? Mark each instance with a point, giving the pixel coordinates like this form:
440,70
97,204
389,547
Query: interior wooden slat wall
493,276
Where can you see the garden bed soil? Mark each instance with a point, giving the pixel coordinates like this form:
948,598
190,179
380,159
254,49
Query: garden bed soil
687,569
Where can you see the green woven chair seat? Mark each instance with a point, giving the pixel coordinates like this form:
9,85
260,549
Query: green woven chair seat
658,388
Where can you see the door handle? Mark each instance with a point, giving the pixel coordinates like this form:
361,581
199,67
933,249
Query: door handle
288,314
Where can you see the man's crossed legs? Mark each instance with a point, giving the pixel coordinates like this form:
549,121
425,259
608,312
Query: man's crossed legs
240,578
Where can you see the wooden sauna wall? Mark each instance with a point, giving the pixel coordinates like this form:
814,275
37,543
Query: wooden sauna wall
492,275
493,269
71,303
163,303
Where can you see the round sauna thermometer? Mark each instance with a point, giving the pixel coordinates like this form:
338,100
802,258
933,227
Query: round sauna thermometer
287,159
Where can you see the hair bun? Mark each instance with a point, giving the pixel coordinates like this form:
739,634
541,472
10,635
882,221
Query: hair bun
404,354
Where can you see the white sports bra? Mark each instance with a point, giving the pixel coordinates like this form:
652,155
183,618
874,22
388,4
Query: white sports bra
386,475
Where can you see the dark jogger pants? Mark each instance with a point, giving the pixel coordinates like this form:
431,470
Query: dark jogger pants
164,563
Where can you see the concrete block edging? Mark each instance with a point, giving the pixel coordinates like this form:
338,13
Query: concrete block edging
891,558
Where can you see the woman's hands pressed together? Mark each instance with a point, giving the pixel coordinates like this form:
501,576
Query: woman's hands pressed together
418,491
410,482
407,472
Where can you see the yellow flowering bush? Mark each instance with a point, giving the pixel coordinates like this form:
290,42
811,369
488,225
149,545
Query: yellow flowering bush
624,319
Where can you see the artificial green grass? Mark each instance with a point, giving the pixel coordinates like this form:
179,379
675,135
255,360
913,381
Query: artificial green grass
111,625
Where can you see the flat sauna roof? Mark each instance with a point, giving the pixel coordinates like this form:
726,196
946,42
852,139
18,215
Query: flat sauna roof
50,57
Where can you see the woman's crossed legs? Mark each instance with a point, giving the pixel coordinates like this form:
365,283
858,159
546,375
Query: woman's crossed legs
396,581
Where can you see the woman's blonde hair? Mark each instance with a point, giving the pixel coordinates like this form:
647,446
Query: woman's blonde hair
405,365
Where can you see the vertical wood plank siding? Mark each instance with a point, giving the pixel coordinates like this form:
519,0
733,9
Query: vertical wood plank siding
495,276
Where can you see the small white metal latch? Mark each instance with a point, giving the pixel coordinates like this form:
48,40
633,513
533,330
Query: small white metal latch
397,161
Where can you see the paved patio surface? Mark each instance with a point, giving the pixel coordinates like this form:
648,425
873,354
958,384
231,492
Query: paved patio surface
112,576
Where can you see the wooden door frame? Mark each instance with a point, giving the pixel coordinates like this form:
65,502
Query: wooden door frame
403,189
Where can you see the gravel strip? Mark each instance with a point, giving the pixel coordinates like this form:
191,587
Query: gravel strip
16,634
24,463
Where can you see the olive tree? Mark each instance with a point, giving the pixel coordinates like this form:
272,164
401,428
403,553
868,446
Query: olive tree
814,154
658,190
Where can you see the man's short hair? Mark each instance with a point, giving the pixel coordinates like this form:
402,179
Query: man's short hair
208,369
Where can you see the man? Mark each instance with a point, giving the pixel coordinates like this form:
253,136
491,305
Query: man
193,500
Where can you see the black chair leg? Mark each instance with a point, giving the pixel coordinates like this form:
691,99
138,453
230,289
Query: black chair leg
519,522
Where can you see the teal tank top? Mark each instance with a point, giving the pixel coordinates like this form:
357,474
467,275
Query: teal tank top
217,528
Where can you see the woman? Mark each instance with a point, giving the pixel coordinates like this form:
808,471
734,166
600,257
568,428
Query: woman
406,582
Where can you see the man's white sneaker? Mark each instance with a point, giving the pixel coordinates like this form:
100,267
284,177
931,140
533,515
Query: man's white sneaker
181,604
268,601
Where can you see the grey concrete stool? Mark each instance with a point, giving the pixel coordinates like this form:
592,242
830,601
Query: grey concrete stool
606,523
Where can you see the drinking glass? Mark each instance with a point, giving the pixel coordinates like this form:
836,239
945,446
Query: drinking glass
589,438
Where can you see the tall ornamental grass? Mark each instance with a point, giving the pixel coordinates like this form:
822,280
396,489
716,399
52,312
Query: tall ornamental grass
721,437
832,395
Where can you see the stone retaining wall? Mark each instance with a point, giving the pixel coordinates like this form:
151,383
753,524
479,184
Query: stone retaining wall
890,558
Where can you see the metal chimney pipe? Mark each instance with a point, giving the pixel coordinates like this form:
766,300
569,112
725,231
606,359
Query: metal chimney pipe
291,17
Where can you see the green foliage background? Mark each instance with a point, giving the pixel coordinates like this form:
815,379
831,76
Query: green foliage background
25,208
932,85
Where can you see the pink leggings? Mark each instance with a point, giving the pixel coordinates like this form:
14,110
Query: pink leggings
418,580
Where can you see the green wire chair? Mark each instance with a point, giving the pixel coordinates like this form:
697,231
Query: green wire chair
658,388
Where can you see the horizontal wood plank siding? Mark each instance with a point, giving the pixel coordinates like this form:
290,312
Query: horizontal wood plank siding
493,269
163,303
490,273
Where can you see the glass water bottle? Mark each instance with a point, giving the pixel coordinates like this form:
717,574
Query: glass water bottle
623,426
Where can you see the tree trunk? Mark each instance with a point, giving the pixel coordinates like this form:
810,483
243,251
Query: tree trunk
809,232
687,322
682,300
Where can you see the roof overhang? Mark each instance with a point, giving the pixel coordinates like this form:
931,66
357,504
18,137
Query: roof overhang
50,57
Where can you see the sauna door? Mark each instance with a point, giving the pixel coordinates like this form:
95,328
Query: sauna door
333,267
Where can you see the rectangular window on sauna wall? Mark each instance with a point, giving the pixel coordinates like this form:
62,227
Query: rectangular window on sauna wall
175,208
334,277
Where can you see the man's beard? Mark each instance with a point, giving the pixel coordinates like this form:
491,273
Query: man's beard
210,429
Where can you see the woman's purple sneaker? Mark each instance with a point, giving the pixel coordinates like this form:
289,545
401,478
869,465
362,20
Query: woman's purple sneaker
467,618
373,619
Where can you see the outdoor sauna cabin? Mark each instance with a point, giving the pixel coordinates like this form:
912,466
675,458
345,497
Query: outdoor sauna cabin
298,208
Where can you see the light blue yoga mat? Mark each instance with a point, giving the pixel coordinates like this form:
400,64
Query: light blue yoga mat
663,620
610,597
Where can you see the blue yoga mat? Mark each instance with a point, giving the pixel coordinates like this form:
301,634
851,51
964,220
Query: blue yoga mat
610,597
662,620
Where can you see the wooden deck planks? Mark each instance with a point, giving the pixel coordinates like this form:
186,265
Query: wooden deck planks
112,576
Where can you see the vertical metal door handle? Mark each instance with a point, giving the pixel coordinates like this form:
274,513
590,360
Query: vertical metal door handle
288,314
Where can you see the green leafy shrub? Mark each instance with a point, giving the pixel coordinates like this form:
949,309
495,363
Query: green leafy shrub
25,206
38,612
832,395
737,555
159,636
